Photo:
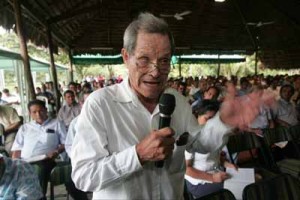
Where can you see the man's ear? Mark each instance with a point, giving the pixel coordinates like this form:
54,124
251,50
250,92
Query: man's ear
125,56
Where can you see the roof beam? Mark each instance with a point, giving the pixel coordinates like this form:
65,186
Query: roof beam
284,14
253,41
39,19
72,13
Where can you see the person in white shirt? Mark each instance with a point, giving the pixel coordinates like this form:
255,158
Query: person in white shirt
72,128
204,171
11,122
118,141
70,109
42,136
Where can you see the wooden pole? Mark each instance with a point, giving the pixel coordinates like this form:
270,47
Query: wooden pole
53,71
219,65
256,59
71,77
30,93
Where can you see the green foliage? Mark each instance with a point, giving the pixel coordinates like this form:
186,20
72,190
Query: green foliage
11,41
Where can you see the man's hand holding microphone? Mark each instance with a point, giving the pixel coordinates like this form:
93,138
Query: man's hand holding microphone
159,144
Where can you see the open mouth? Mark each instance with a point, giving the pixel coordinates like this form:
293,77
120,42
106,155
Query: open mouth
152,83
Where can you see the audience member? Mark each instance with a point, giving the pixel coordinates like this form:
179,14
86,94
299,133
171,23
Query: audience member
2,102
69,110
11,121
204,171
41,137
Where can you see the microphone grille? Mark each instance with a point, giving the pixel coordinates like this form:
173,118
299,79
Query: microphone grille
166,104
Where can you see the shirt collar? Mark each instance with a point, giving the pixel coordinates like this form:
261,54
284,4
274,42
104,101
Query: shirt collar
125,94
284,101
44,123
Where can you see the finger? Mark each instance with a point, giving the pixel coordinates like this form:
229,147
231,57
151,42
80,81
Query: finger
165,132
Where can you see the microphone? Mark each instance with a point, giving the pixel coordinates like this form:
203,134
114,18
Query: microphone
166,108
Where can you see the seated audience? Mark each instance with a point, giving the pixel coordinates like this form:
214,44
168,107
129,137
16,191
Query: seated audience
204,174
43,136
285,114
70,109
76,194
2,102
212,93
11,122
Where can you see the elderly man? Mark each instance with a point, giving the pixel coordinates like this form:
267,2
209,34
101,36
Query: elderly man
9,122
118,141
41,138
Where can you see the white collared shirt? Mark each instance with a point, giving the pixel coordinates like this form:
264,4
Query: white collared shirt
104,157
70,136
68,112
207,158
286,112
35,139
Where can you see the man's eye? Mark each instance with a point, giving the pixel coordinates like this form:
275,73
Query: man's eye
165,61
143,61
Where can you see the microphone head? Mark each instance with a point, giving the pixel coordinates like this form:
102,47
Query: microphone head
166,104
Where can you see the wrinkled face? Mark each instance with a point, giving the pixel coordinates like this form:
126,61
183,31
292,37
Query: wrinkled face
155,49
286,93
38,113
210,94
69,98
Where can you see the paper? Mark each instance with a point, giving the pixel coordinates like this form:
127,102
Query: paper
239,180
36,158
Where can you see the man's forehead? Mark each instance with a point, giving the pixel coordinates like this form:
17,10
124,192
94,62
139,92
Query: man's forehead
143,43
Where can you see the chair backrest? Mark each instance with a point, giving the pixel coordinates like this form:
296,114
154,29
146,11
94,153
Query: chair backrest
3,151
278,134
223,194
45,99
60,174
281,187
240,142
295,132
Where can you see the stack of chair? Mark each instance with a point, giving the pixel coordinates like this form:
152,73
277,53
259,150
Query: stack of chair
280,134
280,187
247,142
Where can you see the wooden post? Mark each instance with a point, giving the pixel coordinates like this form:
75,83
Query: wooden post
256,62
30,93
53,71
219,66
70,70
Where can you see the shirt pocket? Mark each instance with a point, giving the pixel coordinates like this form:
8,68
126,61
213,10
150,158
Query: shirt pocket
177,163
51,139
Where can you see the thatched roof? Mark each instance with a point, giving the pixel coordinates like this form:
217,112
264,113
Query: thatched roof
269,27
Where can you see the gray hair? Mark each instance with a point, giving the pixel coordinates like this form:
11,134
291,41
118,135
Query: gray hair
148,23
